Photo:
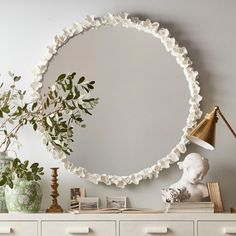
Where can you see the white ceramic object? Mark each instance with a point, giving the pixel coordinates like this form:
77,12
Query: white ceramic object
194,167
181,55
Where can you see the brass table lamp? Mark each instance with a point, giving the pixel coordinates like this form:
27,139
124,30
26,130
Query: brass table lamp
204,133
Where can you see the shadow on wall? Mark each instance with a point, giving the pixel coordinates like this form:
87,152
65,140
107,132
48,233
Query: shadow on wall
206,77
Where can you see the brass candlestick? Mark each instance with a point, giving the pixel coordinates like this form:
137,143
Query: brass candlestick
55,207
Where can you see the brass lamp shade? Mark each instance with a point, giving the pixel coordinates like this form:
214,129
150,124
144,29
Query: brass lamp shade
204,133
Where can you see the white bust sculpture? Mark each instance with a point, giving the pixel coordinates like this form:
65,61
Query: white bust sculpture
194,167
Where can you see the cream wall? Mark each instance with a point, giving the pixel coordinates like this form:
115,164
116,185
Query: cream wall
206,28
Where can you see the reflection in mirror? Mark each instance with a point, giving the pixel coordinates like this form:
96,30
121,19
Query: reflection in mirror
143,99
133,132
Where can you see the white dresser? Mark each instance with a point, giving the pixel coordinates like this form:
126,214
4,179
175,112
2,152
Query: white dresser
117,224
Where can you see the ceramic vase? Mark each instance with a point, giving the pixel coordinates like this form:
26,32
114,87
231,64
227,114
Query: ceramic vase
4,162
24,197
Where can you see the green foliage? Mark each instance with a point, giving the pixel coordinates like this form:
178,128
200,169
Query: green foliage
62,107
22,170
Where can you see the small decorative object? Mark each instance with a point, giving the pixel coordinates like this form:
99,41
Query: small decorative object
189,187
55,207
4,162
171,195
233,209
204,133
22,191
88,203
116,202
215,196
75,195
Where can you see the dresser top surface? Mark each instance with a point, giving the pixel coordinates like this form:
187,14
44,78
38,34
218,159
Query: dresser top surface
118,216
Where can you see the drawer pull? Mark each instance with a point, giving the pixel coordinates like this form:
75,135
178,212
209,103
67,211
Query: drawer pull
5,230
230,230
78,230
157,230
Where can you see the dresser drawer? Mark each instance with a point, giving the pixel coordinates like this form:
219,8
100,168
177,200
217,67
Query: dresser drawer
70,228
18,228
142,228
216,228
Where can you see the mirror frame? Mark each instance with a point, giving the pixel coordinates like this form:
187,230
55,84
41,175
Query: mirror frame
180,53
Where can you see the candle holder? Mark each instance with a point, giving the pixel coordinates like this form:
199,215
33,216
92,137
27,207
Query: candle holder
55,207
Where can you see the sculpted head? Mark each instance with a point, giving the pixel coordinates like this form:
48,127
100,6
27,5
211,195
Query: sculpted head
195,167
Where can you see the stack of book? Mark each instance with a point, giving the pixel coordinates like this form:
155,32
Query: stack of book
190,207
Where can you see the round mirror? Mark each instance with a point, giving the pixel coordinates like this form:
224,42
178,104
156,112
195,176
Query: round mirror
143,97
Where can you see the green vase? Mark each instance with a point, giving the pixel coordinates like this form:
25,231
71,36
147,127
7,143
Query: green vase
25,197
4,162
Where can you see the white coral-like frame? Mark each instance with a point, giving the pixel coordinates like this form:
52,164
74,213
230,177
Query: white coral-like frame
180,53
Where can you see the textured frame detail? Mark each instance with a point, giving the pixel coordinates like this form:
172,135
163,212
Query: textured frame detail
180,53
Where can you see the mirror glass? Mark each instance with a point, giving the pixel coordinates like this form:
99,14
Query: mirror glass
143,98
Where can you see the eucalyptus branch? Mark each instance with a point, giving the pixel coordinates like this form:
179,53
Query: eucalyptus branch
64,104
5,122
9,135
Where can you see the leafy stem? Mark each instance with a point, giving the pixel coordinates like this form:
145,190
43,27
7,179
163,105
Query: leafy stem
63,105
20,170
